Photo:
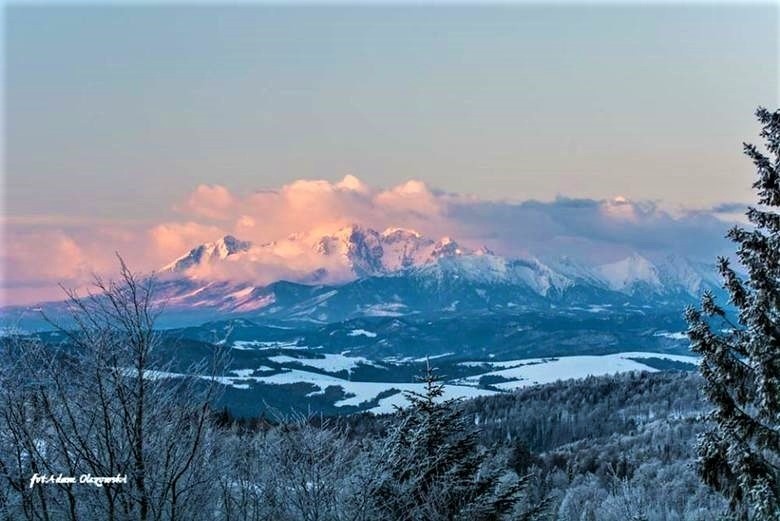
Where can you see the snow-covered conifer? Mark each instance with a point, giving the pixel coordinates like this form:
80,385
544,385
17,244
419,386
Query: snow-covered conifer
434,469
740,454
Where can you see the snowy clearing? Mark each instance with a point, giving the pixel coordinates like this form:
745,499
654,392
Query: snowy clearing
521,373
547,370
330,363
366,391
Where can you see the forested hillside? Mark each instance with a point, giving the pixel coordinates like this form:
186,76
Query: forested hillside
613,448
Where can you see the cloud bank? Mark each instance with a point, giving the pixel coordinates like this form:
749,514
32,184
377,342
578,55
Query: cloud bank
38,254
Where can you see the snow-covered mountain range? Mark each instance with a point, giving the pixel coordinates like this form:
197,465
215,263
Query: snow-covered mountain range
400,271
349,252
361,272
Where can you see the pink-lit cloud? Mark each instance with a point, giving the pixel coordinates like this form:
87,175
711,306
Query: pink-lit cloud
209,201
316,206
288,220
169,240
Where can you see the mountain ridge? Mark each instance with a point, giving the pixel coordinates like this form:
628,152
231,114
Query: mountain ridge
400,272
365,252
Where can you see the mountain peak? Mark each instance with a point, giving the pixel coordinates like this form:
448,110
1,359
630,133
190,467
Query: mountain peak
209,252
446,247
228,245
400,233
360,247
628,272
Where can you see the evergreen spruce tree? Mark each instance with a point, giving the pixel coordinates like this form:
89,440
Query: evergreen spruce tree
432,467
739,455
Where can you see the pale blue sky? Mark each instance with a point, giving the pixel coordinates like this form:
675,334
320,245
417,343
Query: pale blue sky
117,112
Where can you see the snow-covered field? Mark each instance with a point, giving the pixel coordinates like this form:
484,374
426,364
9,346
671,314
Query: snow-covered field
331,363
519,373
547,370
365,391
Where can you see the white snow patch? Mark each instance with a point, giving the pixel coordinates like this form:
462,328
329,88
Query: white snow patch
387,405
362,332
623,273
398,360
366,391
259,345
242,293
425,358
254,304
452,307
547,370
331,363
673,336
389,309
244,373
224,380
